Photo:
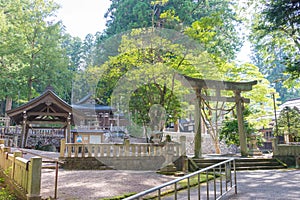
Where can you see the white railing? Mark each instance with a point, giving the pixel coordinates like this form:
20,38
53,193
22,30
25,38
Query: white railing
121,149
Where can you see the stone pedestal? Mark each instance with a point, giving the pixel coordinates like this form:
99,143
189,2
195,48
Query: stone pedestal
254,151
169,168
168,165
297,159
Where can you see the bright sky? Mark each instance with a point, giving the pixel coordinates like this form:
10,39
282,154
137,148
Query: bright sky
82,17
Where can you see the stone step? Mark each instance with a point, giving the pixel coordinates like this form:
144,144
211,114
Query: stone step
241,163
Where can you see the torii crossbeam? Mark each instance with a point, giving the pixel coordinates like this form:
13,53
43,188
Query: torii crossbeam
237,88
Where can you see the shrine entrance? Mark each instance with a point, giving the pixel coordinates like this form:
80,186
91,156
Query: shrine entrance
236,87
46,112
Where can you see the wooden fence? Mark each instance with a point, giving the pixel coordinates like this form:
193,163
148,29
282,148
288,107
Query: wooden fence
21,174
121,149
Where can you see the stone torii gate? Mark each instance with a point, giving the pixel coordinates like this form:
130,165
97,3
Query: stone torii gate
237,87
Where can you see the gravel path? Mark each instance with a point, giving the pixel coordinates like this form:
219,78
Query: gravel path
92,184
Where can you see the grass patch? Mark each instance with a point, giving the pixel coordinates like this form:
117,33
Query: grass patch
5,194
119,197
184,184
194,180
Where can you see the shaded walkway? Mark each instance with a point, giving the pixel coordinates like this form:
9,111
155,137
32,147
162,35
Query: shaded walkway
267,185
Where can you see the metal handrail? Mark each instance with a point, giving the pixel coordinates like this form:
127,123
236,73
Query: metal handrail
174,182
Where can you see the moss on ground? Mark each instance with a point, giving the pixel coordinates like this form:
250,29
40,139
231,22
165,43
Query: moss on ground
5,194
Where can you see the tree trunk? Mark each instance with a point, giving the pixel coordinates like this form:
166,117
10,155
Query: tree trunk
217,146
8,106
29,89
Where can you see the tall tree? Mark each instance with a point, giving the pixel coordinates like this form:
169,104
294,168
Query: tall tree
288,124
37,43
276,38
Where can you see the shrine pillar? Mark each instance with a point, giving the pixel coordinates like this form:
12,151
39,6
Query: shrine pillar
198,127
24,130
68,130
240,118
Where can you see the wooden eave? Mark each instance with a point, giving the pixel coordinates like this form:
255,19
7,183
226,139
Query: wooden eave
47,107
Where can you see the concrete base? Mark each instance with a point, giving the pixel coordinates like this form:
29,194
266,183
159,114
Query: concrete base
33,197
168,168
290,161
255,152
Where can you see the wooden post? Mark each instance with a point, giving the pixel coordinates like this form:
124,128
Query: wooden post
68,134
198,139
24,123
240,118
62,148
34,178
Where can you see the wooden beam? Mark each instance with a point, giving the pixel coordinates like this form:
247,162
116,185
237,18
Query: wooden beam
48,114
46,122
220,85
47,127
223,99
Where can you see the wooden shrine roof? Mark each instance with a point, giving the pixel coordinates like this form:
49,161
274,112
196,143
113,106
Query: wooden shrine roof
48,108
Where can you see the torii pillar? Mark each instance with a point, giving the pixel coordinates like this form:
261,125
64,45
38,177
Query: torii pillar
240,119
198,125
237,87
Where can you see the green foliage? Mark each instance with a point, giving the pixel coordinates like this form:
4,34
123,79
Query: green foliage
275,36
230,133
32,55
6,195
126,15
288,123
213,23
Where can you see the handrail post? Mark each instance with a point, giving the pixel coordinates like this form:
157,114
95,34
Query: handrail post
56,180
235,182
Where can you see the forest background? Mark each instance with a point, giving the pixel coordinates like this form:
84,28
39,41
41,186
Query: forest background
36,50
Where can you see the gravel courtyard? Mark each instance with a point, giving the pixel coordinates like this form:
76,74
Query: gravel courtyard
93,184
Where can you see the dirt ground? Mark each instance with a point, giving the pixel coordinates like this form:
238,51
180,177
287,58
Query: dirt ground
93,184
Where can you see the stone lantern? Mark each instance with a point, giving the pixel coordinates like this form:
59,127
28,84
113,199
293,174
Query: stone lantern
254,151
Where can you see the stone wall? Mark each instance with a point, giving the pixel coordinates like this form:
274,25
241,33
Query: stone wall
120,163
135,163
287,150
287,153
